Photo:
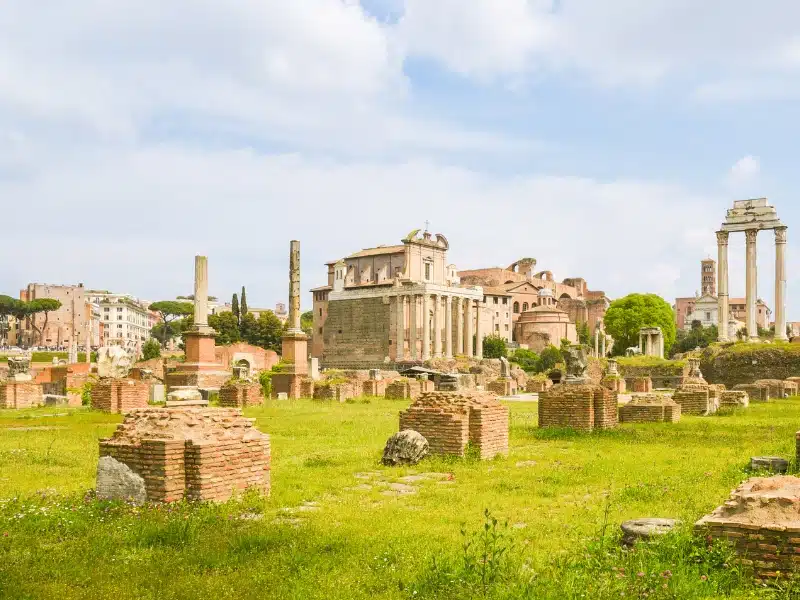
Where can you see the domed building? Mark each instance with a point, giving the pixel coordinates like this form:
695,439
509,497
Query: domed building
544,324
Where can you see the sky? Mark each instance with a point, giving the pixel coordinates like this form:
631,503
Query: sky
605,139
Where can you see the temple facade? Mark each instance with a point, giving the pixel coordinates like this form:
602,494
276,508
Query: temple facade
401,304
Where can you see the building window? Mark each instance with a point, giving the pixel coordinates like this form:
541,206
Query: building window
427,271
516,307
506,326
119,326
320,312
497,327
320,330
495,300
708,316
524,306
505,300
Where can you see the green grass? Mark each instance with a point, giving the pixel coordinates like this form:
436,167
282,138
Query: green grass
46,357
563,506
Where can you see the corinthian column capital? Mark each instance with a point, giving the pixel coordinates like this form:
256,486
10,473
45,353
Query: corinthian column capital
751,235
722,238
780,235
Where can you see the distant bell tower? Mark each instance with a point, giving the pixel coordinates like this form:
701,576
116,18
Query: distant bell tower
708,277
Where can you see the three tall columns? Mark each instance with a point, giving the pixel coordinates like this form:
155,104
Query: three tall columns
751,273
465,324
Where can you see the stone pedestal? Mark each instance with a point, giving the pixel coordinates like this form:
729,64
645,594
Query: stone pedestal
201,369
240,394
504,386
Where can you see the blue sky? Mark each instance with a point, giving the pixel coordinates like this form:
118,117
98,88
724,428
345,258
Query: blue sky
605,139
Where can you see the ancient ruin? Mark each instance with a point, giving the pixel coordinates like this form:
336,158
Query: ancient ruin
19,390
756,392
778,388
168,454
116,392
200,373
650,408
612,380
578,403
750,217
734,399
761,520
504,385
294,346
240,393
451,420
397,304
651,341
694,394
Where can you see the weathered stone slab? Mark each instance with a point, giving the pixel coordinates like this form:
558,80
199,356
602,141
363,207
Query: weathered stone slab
117,481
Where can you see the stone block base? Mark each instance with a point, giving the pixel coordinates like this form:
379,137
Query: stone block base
650,409
20,394
696,399
641,385
502,387
451,420
756,392
374,388
536,386
240,394
192,453
120,395
290,384
581,407
734,399
408,389
211,380
334,391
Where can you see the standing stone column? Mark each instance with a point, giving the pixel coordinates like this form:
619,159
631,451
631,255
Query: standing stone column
752,283
722,286
596,342
641,342
201,292
468,334
294,287
448,327
459,325
603,345
780,284
437,326
412,326
478,332
426,327
88,357
399,349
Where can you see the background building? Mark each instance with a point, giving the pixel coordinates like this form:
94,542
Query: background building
70,323
520,279
126,321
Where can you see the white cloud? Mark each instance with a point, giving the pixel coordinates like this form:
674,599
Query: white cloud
613,42
744,172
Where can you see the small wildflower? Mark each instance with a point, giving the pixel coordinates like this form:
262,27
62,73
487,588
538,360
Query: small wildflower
640,574
703,578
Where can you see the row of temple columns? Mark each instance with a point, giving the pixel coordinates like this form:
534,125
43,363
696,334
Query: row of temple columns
458,331
751,278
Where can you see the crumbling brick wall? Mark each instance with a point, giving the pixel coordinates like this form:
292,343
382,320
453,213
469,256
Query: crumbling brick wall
734,398
374,387
650,409
502,387
120,395
581,407
538,385
192,453
240,394
694,399
756,392
451,420
641,385
404,389
778,388
20,394
334,391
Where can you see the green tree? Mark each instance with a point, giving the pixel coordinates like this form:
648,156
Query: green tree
265,332
227,327
235,308
151,349
549,358
494,346
626,316
171,311
34,307
527,360
8,306
243,303
307,322
697,337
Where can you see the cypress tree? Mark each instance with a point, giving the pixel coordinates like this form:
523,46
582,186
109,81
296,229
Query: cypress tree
243,305
235,307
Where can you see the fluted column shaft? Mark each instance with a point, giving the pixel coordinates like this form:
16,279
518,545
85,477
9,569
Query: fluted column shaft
780,284
426,326
400,351
752,283
478,332
412,326
448,327
723,299
468,334
437,326
459,325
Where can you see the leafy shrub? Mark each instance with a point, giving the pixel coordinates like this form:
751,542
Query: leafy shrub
151,349
527,360
494,346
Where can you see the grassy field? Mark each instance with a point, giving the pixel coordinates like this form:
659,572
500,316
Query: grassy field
340,525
